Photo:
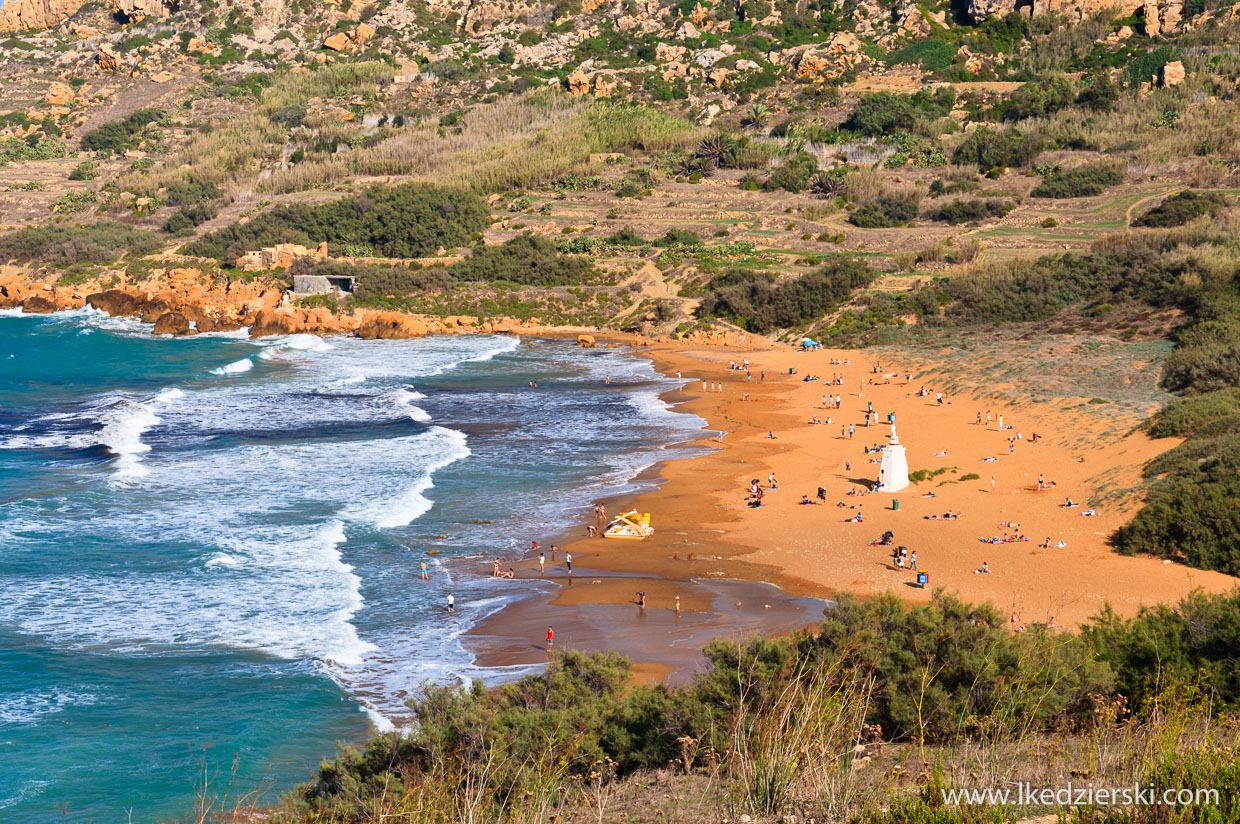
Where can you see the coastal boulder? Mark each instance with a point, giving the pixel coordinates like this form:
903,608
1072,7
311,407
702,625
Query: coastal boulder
391,325
585,341
39,305
172,323
117,302
277,322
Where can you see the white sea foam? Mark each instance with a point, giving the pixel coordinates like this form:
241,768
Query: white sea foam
28,707
304,342
403,398
234,368
125,422
411,503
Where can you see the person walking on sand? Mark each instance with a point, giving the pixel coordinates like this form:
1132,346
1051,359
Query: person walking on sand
850,431
451,604
677,606
847,469
425,576
641,599
550,638
992,483
912,560
542,565
568,560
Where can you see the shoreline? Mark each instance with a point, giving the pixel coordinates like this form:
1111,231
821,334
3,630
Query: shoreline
705,534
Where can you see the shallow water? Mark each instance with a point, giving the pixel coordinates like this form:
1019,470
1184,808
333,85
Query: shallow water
209,546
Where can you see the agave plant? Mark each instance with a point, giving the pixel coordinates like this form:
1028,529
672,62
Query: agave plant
715,151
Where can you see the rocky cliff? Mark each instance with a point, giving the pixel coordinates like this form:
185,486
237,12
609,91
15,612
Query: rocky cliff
35,15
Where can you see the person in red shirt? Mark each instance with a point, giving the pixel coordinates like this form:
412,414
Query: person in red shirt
550,638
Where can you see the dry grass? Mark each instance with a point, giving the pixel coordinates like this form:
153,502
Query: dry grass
514,143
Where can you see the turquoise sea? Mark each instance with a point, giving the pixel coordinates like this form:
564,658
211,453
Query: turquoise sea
209,546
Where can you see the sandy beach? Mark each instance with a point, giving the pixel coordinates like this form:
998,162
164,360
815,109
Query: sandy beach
707,534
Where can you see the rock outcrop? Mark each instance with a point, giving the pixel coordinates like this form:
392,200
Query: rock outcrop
117,302
391,325
39,305
58,94
35,15
172,323
107,59
1172,74
135,10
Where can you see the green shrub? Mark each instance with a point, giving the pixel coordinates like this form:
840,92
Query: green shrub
528,259
116,137
884,113
794,175
411,220
187,217
887,211
86,170
933,54
679,237
757,302
1201,416
997,148
1085,181
964,211
1181,208
70,245
1038,99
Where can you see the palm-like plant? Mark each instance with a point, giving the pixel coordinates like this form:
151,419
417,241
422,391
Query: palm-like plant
757,115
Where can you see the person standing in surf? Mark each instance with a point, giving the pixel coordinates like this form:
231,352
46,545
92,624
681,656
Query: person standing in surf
568,559
451,604
425,576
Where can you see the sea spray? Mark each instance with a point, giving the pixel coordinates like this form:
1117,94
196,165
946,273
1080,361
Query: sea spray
125,422
234,368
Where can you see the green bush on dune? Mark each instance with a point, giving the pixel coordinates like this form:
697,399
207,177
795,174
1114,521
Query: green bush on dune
937,673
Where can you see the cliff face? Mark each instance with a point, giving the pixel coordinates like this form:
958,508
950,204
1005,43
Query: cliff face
1159,14
36,15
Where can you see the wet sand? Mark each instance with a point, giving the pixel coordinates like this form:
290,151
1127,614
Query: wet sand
705,534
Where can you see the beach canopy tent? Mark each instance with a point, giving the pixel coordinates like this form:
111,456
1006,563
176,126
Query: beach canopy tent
630,526
810,343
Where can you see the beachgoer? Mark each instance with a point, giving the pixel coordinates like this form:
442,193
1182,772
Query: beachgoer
542,565
848,469
568,560
913,561
550,638
553,551
677,606
850,431
451,603
992,483
985,568
425,577
641,599
495,571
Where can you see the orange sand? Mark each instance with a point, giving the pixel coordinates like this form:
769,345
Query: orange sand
704,530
